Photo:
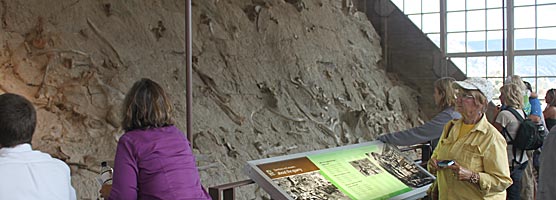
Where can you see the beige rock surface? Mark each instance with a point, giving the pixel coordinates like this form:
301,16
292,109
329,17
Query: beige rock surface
271,77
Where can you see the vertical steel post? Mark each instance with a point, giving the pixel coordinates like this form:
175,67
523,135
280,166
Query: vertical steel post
443,37
188,76
510,33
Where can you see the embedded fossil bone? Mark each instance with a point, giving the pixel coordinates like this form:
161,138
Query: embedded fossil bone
101,36
205,167
41,89
296,119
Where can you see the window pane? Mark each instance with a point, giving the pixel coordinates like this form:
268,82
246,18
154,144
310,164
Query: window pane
524,65
476,41
494,3
416,19
476,67
455,21
544,84
497,83
460,63
546,15
435,38
455,42
476,20
546,38
526,16
524,39
546,65
494,66
412,7
431,6
531,81
475,4
494,40
494,19
545,1
452,5
431,23
398,3
523,2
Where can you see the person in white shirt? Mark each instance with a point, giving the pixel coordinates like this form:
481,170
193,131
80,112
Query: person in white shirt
508,124
27,174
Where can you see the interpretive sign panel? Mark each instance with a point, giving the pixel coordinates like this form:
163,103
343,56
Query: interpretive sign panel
372,170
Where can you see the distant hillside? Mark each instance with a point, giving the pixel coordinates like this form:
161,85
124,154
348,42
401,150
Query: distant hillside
546,64
520,44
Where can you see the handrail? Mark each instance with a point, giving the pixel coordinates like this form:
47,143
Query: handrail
226,191
426,151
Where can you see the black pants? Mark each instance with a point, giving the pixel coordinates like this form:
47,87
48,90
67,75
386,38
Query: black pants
514,191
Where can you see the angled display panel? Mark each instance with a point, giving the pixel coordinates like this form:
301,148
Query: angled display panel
371,170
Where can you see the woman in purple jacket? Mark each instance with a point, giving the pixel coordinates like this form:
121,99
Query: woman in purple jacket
153,158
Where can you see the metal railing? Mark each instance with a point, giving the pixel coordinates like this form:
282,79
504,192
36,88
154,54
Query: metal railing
226,191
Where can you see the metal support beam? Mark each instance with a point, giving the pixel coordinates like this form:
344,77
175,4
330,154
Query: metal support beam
443,35
499,53
510,38
188,76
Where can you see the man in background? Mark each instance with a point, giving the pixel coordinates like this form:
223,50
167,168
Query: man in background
27,174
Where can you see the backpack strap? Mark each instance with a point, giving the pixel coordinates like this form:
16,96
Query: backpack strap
514,150
517,115
520,119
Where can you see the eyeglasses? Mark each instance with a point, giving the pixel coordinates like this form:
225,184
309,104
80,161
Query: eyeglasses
463,95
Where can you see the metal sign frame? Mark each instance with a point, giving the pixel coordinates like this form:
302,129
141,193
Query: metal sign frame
276,192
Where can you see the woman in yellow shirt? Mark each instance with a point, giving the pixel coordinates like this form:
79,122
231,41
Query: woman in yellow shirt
480,169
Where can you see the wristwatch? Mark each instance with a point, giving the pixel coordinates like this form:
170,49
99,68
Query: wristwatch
474,178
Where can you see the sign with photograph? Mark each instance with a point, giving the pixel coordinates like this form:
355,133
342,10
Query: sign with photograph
362,171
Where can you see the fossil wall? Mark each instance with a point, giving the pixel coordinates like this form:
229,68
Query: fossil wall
271,77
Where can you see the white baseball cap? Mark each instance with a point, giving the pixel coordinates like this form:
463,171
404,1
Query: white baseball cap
475,83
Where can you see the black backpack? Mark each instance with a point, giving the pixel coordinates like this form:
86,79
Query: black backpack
528,136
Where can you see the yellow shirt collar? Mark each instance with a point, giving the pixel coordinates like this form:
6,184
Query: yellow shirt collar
481,126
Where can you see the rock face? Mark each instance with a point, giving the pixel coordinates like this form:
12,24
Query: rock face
271,77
